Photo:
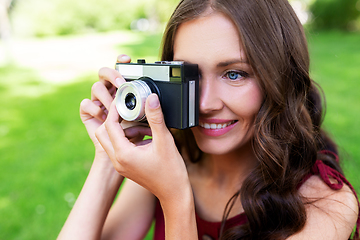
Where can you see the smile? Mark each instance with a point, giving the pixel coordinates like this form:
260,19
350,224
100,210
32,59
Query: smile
215,126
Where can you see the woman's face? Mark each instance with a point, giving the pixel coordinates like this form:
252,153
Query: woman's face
230,97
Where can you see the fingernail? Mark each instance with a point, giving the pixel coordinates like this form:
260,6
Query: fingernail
124,58
118,82
153,101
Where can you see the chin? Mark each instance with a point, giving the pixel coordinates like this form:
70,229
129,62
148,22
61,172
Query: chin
216,147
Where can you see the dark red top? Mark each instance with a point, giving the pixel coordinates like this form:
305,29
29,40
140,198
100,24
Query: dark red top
211,230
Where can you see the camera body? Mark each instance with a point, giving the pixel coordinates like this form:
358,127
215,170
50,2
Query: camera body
175,82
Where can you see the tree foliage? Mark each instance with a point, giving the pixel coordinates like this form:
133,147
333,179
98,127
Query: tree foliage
62,17
335,14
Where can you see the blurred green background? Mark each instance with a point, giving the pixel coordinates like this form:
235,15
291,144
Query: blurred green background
50,53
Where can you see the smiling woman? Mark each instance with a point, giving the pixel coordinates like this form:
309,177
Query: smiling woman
230,96
258,166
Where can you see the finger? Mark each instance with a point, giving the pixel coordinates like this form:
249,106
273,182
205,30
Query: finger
103,138
110,77
101,93
89,110
156,120
123,58
116,132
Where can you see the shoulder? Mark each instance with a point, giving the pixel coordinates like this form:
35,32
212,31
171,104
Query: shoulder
316,192
331,214
316,188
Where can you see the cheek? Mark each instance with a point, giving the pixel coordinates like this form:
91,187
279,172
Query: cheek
247,102
255,100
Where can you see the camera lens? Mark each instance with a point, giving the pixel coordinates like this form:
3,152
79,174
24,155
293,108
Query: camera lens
130,101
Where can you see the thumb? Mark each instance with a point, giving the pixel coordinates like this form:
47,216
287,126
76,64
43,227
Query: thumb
155,118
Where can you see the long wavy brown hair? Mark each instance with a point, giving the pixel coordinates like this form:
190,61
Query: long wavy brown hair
288,134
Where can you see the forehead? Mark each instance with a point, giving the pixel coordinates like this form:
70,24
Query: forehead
211,36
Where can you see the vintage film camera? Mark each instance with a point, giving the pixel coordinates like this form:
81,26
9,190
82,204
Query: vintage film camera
176,83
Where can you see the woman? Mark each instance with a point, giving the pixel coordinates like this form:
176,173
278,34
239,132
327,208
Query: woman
259,165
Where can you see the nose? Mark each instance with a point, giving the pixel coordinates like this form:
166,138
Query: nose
210,97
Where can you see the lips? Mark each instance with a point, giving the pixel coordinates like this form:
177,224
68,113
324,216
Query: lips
216,127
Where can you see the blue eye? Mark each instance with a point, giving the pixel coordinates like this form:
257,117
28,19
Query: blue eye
233,75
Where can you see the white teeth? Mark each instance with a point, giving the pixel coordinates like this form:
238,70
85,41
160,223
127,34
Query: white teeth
214,125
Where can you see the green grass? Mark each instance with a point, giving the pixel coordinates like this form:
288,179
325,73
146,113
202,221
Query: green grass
46,153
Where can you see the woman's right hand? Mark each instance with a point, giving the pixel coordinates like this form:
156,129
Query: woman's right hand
93,112
90,217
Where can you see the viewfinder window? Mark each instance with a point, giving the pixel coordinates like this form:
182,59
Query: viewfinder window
176,72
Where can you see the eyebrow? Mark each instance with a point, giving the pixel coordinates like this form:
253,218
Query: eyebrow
225,63
230,62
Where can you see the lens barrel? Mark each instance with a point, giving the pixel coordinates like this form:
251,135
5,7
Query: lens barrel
130,100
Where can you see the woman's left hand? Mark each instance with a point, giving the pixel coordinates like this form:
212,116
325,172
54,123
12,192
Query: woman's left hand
154,164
